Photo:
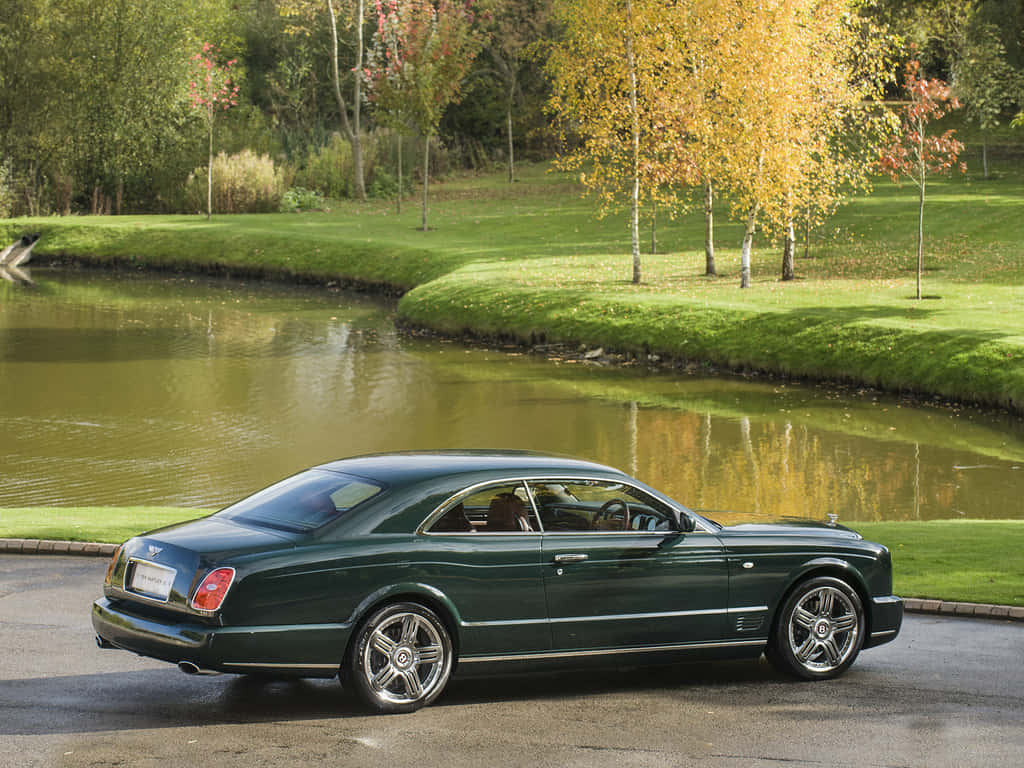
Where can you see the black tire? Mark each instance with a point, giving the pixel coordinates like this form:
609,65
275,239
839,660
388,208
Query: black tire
401,658
819,630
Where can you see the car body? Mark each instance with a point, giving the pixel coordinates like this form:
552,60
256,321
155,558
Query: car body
396,571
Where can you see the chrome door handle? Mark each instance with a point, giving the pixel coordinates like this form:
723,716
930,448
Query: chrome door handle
570,558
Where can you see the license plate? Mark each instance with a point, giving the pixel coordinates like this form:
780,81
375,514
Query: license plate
152,580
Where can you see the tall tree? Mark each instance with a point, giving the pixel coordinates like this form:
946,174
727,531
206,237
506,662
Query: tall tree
603,88
788,88
420,54
306,16
916,154
983,79
514,28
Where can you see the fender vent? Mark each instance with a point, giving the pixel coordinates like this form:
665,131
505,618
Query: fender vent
751,622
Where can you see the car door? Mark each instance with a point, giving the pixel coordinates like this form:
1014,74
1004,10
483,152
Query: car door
617,573
484,555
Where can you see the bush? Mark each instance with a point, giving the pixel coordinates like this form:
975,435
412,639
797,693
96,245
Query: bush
242,183
328,169
7,194
301,199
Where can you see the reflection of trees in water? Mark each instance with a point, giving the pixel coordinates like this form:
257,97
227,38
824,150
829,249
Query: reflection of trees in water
772,469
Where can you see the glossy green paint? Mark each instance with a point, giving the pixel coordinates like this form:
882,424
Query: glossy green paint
676,583
297,600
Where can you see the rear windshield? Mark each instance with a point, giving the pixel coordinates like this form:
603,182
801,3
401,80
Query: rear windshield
303,502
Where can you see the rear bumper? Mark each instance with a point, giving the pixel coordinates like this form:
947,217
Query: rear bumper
886,620
301,651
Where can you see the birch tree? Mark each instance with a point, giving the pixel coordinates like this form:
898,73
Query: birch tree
602,87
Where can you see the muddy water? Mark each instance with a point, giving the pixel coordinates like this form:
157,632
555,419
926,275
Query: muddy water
154,390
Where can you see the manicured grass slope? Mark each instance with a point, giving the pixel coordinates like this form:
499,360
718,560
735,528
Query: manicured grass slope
530,262
109,525
974,561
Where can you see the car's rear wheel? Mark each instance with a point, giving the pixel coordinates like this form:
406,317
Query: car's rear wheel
819,631
401,659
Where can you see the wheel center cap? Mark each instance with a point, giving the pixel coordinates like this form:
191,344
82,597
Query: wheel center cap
403,657
822,628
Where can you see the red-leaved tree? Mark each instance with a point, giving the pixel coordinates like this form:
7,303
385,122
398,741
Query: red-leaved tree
915,154
211,90
414,69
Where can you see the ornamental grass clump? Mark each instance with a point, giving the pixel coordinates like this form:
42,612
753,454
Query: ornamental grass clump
242,183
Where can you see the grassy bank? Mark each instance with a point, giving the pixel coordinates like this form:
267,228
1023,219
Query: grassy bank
974,561
107,525
530,262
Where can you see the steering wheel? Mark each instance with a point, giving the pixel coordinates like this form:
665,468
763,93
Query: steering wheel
610,509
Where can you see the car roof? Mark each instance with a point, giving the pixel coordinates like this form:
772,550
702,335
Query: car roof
401,468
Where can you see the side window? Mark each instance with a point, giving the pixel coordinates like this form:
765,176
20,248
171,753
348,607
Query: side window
598,505
495,509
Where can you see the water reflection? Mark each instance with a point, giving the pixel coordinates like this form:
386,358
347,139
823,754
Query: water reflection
124,390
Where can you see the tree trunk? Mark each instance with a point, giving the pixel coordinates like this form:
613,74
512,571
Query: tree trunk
352,135
399,198
511,148
748,239
120,194
209,174
635,195
920,238
357,100
984,153
807,234
426,176
709,230
654,227
788,252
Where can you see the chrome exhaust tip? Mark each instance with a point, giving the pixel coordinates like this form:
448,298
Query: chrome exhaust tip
191,668
104,644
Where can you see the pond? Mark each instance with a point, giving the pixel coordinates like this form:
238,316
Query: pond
126,389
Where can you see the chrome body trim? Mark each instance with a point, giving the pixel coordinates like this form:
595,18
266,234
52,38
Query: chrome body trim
701,524
276,665
615,617
886,633
612,651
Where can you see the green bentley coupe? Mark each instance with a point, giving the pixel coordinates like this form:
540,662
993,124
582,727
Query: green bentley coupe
396,571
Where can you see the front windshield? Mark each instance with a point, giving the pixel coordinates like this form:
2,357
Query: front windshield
303,502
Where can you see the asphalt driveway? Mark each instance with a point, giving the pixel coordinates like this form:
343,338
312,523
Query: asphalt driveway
947,692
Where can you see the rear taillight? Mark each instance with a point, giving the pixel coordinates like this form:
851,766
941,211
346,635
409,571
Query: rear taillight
112,566
213,589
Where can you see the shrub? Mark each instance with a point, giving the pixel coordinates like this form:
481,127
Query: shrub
242,183
301,199
328,169
6,191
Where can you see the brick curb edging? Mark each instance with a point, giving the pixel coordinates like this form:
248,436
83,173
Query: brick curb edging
47,547
977,610
910,604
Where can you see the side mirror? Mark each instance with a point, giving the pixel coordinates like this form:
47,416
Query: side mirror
685,523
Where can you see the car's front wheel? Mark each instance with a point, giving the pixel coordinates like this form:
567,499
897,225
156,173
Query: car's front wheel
401,659
820,629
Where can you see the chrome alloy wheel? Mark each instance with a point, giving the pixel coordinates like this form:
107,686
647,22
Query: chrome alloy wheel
824,629
405,658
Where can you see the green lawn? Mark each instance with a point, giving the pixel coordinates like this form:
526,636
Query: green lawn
531,262
974,561
109,525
